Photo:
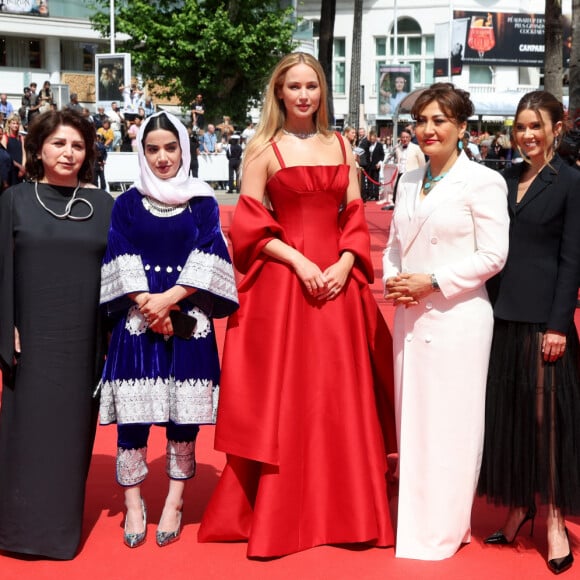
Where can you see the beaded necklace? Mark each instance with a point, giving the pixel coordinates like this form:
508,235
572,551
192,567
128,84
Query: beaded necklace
432,181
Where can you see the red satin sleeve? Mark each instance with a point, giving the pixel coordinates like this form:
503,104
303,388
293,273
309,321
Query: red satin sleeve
355,238
253,226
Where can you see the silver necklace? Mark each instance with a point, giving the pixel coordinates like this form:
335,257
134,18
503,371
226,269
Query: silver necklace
160,209
68,207
300,135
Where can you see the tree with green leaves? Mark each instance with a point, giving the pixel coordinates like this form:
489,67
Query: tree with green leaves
222,49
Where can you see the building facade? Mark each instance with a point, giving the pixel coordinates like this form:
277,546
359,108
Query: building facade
406,35
48,40
53,40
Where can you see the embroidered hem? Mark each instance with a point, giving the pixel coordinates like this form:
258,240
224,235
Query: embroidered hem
131,466
158,400
180,459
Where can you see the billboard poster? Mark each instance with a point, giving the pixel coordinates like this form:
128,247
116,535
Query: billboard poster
31,7
112,77
496,39
393,86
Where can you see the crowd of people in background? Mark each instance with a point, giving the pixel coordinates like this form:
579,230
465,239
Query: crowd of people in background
117,126
382,162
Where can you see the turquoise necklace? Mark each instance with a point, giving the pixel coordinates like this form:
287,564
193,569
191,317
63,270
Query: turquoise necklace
430,180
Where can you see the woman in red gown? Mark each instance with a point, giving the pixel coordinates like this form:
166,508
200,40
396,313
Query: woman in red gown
305,414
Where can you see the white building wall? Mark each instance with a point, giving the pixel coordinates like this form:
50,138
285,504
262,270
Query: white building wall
52,31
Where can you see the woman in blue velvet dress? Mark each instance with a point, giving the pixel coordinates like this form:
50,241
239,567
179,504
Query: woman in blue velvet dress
166,252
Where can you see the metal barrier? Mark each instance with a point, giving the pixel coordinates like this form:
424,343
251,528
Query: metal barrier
122,169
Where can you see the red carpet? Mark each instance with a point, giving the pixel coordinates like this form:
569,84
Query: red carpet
103,555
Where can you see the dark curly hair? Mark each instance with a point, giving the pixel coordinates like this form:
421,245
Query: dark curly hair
45,125
454,102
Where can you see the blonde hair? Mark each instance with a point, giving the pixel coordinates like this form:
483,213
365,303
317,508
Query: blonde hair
273,112
12,117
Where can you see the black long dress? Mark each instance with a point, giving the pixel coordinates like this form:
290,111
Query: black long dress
532,415
49,290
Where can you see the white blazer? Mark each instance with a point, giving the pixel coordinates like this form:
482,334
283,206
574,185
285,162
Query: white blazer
459,232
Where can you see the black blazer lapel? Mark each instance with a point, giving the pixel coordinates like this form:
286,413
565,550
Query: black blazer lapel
542,180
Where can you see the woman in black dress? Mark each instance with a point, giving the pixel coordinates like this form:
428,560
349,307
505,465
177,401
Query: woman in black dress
532,424
53,233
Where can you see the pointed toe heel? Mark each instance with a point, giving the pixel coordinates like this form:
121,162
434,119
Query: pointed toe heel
498,538
559,565
166,538
135,540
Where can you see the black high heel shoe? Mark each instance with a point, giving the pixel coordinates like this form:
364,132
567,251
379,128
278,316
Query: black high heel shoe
499,537
559,565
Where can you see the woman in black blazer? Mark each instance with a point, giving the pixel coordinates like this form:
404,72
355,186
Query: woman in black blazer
532,430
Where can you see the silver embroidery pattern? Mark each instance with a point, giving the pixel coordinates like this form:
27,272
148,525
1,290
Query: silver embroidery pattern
203,325
158,400
209,272
180,459
163,210
135,322
121,276
131,466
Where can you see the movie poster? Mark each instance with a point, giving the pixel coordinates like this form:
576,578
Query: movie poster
393,86
112,77
495,39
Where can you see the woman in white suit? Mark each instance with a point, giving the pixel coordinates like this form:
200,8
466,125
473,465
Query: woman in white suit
448,236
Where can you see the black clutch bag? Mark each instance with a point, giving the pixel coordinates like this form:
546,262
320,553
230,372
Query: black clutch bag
183,325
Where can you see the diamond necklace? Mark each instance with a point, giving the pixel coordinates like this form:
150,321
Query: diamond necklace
432,181
300,135
68,207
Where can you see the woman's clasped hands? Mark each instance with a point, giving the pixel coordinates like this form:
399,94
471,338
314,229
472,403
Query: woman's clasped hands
408,289
327,284
155,309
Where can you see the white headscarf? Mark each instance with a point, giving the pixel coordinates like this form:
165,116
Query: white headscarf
174,190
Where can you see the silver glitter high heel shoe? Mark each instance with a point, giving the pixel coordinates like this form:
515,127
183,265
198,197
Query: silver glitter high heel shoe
135,540
166,538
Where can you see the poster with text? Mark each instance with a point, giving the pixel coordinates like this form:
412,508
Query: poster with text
510,39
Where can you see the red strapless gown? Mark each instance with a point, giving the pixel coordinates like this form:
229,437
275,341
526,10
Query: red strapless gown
305,413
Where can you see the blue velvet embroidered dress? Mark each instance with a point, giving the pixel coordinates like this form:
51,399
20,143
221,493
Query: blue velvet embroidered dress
150,378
